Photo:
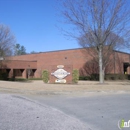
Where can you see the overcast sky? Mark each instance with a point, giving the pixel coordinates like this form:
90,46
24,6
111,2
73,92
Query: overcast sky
33,23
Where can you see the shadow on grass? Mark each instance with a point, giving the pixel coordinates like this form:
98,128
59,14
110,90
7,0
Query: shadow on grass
19,80
23,79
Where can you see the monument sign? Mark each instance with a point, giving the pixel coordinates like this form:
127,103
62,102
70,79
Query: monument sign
60,74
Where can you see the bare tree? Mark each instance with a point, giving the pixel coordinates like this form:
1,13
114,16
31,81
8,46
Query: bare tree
91,68
7,41
101,24
107,49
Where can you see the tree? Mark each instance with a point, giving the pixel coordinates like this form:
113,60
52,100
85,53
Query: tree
19,50
100,24
7,41
23,50
107,50
33,52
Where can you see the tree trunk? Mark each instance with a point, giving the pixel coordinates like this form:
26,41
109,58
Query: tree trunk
101,71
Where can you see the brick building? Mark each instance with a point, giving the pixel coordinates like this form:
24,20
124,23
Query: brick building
21,66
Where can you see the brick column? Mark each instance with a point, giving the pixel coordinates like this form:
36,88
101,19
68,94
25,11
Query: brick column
128,69
24,74
11,73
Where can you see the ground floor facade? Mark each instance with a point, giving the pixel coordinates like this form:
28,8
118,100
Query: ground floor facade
32,65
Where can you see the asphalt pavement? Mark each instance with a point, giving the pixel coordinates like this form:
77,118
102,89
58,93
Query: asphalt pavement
86,106
20,113
100,111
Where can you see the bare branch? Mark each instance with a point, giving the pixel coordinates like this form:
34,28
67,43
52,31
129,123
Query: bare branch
7,41
100,24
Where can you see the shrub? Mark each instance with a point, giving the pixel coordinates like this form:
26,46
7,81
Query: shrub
45,76
87,78
107,77
128,77
91,77
81,77
84,77
94,77
113,78
3,76
116,76
75,76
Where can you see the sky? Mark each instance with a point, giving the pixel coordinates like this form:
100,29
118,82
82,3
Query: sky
35,24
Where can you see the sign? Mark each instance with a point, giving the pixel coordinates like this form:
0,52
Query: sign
60,73
60,81
60,66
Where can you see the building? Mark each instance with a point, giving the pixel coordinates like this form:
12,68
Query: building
32,65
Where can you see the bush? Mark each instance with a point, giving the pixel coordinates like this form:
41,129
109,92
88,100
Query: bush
116,76
45,76
107,77
87,78
3,76
94,77
75,76
84,77
81,77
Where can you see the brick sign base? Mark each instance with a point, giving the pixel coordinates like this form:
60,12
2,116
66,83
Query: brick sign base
54,71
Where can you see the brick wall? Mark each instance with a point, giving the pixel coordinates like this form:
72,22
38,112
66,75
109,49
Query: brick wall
75,57
19,64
